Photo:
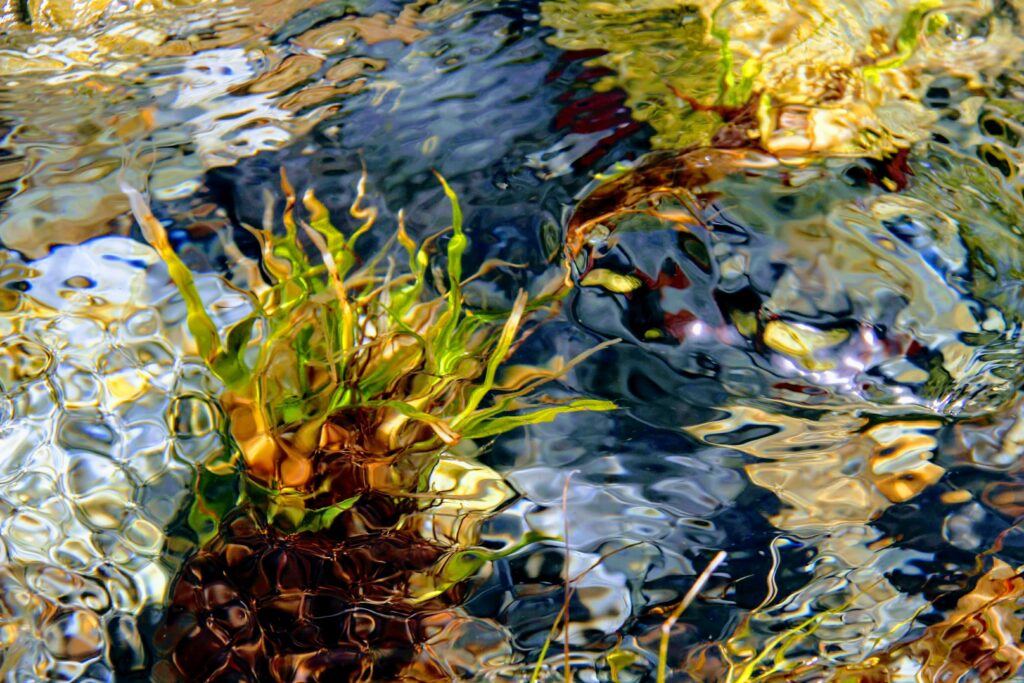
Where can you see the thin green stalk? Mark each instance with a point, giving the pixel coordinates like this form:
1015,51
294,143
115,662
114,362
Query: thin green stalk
691,595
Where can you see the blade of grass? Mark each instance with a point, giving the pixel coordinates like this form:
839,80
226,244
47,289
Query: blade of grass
368,214
450,347
565,571
440,427
497,357
500,425
809,624
456,248
535,675
200,325
691,595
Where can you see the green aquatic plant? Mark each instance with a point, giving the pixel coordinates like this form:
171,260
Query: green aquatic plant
352,394
342,356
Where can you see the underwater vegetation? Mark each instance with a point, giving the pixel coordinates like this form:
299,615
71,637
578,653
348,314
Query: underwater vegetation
843,428
360,390
808,244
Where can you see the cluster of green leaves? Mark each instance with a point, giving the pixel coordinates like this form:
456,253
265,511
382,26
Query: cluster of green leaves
327,334
380,340
222,486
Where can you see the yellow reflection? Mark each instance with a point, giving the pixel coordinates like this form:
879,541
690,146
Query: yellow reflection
835,470
794,77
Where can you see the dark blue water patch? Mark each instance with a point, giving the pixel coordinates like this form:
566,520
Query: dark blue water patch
135,263
484,125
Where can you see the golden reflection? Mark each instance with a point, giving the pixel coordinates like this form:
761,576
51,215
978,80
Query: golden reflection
796,78
978,640
901,458
95,418
225,82
834,470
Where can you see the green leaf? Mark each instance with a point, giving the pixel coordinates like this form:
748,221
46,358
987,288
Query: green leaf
438,424
214,496
456,248
500,425
317,520
446,338
463,564
286,508
497,357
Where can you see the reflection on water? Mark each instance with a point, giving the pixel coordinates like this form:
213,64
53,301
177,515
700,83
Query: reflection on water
186,88
821,291
104,420
802,221
800,78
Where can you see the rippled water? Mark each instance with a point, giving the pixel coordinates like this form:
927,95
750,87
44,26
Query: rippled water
796,227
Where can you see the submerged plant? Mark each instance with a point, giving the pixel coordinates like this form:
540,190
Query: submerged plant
344,388
978,640
353,357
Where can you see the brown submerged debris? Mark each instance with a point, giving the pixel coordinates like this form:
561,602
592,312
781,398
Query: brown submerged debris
678,175
682,175
374,29
260,605
979,641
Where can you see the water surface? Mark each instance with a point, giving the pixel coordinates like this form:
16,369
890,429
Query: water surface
803,223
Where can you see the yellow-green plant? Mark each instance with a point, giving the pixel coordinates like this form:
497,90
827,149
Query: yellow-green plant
342,357
779,658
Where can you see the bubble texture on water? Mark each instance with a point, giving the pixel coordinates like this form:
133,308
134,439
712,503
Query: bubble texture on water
104,421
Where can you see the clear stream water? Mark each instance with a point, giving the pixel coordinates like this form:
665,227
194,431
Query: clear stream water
819,370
